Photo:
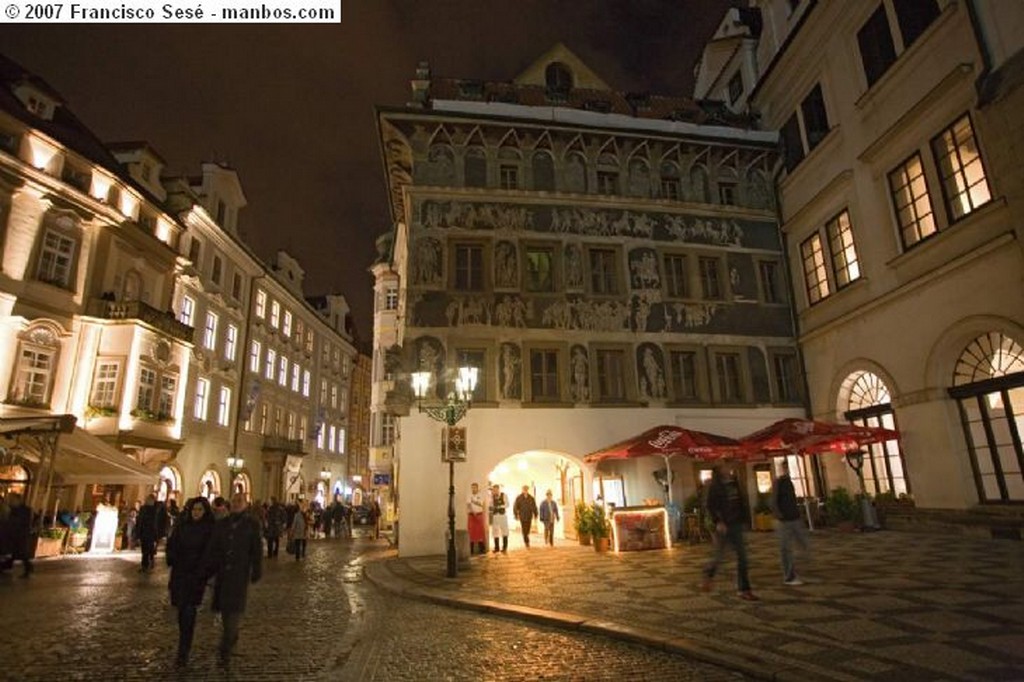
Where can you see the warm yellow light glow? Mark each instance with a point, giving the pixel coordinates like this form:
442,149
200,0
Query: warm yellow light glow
126,422
764,481
705,475
179,405
666,534
129,204
41,152
163,231
101,183
104,530
420,384
523,465
502,469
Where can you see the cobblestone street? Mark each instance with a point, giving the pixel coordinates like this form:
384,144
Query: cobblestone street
86,618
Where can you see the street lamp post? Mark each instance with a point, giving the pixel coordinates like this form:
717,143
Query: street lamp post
855,458
449,413
235,464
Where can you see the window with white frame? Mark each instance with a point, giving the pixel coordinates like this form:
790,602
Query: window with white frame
275,314
309,340
230,342
224,406
56,257
34,377
270,365
146,391
331,435
343,399
323,391
210,331
165,400
289,425
303,427
261,303
391,298
882,40
264,419
104,384
282,371
188,310
296,373
341,441
255,351
334,396
305,382
286,327
387,428
200,405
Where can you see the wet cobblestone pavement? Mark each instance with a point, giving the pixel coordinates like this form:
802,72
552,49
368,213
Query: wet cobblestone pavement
84,618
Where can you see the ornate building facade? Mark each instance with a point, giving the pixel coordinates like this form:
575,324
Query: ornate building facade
608,263
901,202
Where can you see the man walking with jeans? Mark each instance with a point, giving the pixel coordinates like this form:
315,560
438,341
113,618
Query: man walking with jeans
789,526
725,506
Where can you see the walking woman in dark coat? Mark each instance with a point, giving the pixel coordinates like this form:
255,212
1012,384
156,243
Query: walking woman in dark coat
186,553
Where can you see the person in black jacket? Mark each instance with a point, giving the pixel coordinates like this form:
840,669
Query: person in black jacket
19,533
186,555
726,509
234,554
789,526
147,531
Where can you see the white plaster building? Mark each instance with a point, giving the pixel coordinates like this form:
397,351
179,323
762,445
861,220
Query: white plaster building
901,209
608,263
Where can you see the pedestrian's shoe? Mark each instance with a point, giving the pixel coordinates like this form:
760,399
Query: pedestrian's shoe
747,595
793,582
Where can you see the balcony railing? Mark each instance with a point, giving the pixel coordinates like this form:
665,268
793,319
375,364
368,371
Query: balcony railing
143,312
282,444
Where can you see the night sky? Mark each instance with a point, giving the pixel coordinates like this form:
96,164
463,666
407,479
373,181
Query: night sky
291,107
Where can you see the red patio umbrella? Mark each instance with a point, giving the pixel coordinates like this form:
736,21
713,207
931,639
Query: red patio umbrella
668,441
812,437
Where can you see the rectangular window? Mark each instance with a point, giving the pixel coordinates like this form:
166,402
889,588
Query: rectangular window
604,275
815,276
508,177
282,371
391,299
323,391
607,182
303,427
815,117
236,287
771,281
286,328
710,281
877,51
56,258
104,384
270,365
277,422
845,267
911,200
387,428
224,406
165,402
217,272
331,435
964,184
305,383
341,441
611,375
210,331
296,374
677,276
264,419
787,378
670,188
683,369
728,370
289,425
913,17
195,249
475,357
726,193
146,391
230,342
255,350
201,404
334,396
792,144
469,267
343,398
309,340
540,268
261,303
275,314
544,375
188,310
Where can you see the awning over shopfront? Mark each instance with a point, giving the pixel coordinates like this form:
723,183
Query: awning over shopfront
84,458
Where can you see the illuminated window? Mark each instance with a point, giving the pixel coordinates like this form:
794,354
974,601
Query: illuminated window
261,303
815,274
331,435
210,331
275,314
387,428
911,201
188,310
844,254
341,441
286,328
964,184
540,268
305,383
255,350
270,365
296,373
201,404
104,384
224,406
230,342
334,396
282,371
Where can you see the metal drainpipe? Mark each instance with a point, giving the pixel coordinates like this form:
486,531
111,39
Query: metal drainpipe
981,83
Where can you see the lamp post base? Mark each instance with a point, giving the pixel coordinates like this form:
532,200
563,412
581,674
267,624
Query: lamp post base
453,567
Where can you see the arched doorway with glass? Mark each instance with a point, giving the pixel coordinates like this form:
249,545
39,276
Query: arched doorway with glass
539,471
169,485
865,399
988,385
242,483
209,484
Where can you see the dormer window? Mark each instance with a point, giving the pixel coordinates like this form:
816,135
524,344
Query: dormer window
558,79
36,101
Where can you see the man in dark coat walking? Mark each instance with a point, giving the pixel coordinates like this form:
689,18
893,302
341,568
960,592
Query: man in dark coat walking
276,519
186,555
525,509
726,508
147,530
19,533
234,555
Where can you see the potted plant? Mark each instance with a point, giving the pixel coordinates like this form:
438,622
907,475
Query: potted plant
600,528
50,541
841,509
581,522
763,519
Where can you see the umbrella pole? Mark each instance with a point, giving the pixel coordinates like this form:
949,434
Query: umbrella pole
668,478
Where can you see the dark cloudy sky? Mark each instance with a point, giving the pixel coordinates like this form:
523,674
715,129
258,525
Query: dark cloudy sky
291,107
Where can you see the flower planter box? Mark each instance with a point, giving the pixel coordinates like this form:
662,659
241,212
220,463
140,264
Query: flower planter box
49,546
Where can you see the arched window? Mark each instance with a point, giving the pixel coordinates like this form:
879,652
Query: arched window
170,482
475,165
543,172
209,484
671,185
869,403
36,365
558,78
988,385
575,173
639,178
440,166
509,162
607,174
